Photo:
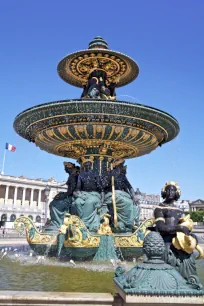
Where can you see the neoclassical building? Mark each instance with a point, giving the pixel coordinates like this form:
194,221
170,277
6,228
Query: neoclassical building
31,198
149,199
28,197
146,211
184,205
197,205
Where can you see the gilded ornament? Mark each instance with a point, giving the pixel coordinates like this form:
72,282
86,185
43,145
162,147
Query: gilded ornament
63,129
50,133
134,240
32,234
105,228
173,184
99,128
117,129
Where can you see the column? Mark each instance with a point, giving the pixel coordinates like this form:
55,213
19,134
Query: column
23,196
47,201
31,197
39,198
6,194
15,195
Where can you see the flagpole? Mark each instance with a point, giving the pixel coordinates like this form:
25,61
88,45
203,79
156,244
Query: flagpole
2,171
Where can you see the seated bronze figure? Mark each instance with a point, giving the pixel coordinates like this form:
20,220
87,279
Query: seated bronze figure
176,231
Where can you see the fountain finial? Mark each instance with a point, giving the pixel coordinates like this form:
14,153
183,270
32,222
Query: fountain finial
99,43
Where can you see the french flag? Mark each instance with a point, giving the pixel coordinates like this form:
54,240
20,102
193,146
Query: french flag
10,147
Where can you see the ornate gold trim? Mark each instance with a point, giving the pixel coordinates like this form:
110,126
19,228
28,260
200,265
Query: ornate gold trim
160,219
133,240
107,114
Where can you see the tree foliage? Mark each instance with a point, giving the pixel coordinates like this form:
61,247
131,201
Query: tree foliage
197,216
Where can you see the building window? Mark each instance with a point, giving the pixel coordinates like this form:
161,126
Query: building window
12,218
31,217
4,217
38,219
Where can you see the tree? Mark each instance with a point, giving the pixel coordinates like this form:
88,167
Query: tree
197,216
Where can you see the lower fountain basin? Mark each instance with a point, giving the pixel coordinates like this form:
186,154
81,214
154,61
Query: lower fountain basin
127,245
50,274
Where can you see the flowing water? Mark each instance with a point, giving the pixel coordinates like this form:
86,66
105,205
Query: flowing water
23,271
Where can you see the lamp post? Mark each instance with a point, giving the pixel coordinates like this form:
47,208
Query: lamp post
46,192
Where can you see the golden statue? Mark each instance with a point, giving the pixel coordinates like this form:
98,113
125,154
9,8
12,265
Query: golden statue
185,242
105,228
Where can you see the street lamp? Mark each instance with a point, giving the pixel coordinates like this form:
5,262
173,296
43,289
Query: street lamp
46,192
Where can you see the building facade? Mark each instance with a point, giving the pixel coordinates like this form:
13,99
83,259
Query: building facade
149,199
197,205
183,205
147,204
146,212
21,196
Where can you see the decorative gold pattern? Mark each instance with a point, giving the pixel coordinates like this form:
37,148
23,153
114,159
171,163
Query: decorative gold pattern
172,183
105,228
82,66
22,224
76,68
134,240
168,207
187,243
122,141
76,241
160,219
77,225
96,115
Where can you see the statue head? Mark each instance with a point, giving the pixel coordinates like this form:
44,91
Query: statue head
77,169
87,166
118,163
106,218
69,167
67,218
87,163
171,192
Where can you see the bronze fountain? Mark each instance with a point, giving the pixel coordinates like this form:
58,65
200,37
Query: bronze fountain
99,132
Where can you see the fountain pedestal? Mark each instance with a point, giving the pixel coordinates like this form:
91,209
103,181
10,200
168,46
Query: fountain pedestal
155,282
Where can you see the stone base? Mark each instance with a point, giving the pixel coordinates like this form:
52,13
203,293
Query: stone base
34,298
154,300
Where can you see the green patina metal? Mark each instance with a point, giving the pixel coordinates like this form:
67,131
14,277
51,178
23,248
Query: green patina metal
154,277
124,245
99,132
29,122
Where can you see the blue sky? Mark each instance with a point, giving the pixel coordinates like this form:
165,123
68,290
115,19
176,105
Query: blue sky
166,38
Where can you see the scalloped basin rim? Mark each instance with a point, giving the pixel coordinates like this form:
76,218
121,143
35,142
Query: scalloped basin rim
71,127
94,101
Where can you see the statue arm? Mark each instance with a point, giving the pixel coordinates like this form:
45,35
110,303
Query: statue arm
100,189
161,225
79,183
71,185
131,191
102,197
99,184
